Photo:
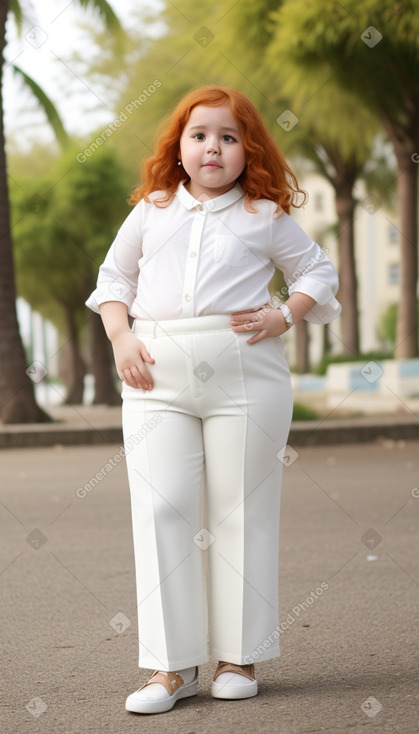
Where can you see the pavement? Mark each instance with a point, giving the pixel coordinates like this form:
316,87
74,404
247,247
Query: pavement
84,425
349,593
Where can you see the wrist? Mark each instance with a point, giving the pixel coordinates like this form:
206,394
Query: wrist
115,334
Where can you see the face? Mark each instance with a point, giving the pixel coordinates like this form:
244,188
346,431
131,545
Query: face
212,151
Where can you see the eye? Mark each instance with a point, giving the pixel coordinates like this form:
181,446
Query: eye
229,139
199,136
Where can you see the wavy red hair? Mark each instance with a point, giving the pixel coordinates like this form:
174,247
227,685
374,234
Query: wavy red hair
266,174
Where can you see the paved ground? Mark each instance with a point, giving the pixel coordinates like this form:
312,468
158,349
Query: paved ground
88,425
349,655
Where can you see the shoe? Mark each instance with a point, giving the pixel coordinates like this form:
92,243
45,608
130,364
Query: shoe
161,692
234,681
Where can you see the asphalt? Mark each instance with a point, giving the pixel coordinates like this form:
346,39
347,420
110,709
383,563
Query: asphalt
349,655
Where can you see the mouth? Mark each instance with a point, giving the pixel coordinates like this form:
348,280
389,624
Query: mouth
212,164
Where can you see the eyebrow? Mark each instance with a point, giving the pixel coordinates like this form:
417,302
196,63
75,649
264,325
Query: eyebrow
203,127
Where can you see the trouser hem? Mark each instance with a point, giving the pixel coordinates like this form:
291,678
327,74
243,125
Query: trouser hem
172,665
231,657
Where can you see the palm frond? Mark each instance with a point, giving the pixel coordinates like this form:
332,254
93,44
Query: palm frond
16,9
105,12
46,104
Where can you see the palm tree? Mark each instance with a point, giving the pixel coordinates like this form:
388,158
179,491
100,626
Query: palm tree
17,398
371,48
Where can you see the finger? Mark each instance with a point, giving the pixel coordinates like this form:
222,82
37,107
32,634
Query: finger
145,375
258,337
128,379
255,325
135,378
146,356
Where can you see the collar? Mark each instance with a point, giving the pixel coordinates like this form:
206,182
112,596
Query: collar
209,205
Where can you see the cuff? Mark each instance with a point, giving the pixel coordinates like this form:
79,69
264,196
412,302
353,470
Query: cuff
116,292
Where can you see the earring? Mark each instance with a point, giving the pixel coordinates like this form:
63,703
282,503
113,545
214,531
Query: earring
179,163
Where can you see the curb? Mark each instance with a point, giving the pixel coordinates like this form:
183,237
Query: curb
303,433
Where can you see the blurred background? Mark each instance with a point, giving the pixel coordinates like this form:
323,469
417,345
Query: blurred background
85,86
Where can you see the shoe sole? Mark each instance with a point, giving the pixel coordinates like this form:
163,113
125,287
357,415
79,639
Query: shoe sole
233,692
159,707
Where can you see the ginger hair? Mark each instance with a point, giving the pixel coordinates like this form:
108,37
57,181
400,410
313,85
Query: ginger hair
266,174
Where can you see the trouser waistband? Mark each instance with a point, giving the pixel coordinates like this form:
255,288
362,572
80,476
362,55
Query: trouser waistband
209,322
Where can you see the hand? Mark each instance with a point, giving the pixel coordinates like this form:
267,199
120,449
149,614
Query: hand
267,320
130,356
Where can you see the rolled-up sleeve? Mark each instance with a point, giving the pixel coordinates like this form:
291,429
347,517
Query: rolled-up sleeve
306,269
118,275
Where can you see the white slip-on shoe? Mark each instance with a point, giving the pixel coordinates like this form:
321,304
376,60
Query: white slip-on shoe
161,692
234,681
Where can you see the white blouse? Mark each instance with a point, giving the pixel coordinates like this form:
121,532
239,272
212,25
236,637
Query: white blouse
211,257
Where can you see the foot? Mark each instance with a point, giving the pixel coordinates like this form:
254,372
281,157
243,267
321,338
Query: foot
234,681
162,690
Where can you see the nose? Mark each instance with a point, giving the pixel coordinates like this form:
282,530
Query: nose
213,145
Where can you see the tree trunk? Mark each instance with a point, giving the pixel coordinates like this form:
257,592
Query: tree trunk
348,291
302,361
76,367
102,364
17,396
326,347
407,196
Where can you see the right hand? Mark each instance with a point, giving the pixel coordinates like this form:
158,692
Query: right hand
130,356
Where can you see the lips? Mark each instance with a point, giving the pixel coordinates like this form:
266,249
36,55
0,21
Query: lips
212,164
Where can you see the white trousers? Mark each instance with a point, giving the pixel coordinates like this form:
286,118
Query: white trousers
201,450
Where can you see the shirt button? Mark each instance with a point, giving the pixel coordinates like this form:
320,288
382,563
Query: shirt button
200,208
188,297
193,254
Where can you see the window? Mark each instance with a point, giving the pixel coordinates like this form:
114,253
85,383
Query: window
393,234
393,273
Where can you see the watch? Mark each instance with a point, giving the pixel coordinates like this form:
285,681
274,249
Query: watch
287,315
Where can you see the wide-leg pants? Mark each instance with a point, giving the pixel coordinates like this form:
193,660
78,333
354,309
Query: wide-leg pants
203,451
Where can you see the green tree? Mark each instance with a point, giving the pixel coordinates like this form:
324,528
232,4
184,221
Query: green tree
63,226
17,400
370,47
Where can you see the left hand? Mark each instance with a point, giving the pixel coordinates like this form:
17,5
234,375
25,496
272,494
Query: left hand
266,320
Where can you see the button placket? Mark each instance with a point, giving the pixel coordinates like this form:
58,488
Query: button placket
198,224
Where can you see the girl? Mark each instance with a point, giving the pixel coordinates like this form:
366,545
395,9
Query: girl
206,388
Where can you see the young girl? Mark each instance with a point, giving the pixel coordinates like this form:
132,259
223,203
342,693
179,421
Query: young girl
207,401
